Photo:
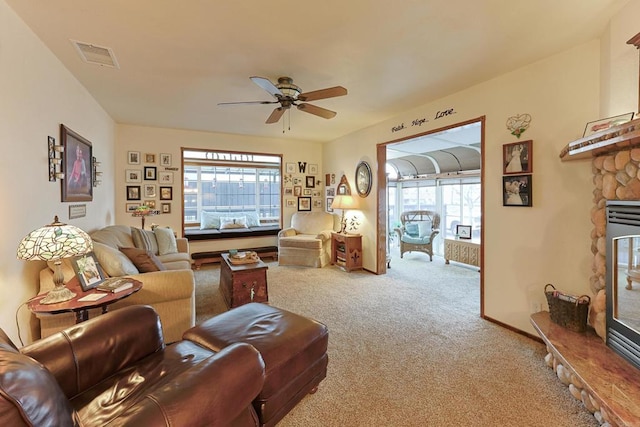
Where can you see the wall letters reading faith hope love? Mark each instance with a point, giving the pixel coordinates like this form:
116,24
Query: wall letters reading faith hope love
421,121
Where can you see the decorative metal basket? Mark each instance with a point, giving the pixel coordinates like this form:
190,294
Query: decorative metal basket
568,311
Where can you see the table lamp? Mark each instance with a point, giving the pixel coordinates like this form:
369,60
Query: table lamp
54,242
344,202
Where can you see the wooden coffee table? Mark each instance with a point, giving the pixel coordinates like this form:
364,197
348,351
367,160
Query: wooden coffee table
244,283
81,308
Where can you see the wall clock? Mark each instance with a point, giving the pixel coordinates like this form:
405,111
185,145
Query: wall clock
363,179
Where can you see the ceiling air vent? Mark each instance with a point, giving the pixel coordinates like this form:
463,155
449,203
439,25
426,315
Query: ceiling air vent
98,55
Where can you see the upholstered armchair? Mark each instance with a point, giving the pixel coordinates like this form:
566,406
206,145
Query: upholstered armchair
419,229
308,241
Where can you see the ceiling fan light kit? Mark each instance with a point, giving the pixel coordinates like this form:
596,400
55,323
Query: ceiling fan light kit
287,94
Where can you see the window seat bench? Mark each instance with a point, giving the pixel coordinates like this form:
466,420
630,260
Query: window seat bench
207,245
200,258
193,234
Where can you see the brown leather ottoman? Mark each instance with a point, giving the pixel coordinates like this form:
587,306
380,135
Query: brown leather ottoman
293,347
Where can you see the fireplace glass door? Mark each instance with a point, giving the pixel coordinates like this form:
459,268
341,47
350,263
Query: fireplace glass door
626,292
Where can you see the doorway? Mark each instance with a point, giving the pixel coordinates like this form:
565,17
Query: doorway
439,170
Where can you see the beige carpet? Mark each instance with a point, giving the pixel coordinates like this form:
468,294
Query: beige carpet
409,349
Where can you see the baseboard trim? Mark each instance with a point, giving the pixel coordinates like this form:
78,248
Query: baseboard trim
513,329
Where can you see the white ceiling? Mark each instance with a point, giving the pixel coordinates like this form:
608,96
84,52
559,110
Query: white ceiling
179,59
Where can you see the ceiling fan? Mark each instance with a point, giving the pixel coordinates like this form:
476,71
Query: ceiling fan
287,94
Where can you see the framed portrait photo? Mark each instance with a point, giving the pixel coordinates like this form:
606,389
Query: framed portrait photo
304,203
133,157
133,192
166,193
149,190
311,182
77,166
88,270
517,157
133,175
150,173
517,190
165,159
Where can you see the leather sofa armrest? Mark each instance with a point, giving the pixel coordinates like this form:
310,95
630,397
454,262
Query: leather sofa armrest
182,244
287,232
214,394
84,354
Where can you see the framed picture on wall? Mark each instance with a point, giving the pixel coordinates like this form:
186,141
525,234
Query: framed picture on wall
133,175
165,159
517,157
166,193
133,157
517,190
77,166
133,192
166,208
304,203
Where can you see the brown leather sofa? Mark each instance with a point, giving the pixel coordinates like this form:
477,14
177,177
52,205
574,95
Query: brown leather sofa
116,370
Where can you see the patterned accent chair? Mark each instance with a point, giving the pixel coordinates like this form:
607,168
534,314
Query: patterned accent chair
419,229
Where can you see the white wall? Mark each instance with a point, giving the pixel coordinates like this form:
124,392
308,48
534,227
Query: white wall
619,80
160,140
37,94
525,248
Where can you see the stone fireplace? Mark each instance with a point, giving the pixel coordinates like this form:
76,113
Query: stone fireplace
616,176
606,383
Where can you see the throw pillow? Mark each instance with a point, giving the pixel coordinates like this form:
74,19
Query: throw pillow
166,241
412,229
252,219
145,261
424,228
144,239
209,220
113,262
239,222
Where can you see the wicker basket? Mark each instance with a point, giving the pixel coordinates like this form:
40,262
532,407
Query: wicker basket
567,310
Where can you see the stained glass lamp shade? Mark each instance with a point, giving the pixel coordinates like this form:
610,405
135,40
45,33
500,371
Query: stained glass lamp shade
54,242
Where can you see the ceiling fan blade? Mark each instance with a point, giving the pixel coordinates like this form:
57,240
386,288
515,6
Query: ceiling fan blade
266,85
275,115
330,92
247,102
318,111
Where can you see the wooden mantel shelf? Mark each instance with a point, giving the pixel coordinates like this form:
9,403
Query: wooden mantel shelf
616,138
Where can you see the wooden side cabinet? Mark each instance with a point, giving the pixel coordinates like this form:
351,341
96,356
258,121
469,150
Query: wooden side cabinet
242,284
464,251
346,251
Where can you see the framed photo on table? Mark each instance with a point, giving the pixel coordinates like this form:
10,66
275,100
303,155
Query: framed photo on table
88,270
463,231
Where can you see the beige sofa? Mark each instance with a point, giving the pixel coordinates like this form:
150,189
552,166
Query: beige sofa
308,241
170,292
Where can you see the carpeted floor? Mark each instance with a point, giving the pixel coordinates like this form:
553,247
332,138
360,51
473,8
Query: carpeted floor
409,349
